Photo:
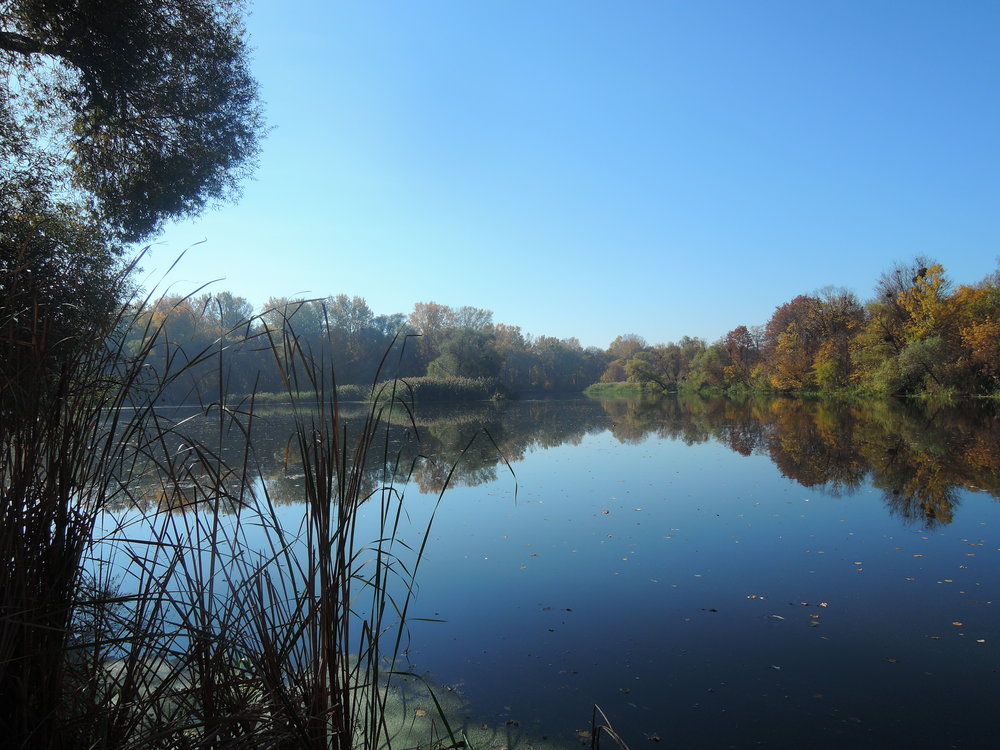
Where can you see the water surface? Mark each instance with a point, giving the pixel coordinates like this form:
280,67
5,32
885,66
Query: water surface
711,573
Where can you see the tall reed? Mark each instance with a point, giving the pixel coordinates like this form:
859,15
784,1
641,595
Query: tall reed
151,595
64,381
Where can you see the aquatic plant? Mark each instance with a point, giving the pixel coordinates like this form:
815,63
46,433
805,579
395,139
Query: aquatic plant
191,616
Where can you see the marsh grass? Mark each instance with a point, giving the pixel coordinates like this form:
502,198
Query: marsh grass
154,594
63,388
601,727
346,393
452,389
199,619
417,389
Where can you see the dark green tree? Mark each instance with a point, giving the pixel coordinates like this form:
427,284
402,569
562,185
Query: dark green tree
136,110
466,353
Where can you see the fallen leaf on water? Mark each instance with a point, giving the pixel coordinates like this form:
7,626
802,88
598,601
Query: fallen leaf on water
957,624
654,737
605,512
823,604
891,660
583,733
625,691
419,712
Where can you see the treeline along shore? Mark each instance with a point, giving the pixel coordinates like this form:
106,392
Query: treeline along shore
918,335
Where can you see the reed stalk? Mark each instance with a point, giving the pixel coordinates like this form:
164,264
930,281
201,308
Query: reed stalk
151,595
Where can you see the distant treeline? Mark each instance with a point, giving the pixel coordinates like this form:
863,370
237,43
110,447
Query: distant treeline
917,335
443,352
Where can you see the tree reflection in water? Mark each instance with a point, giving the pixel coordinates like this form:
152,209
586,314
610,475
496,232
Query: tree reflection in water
917,455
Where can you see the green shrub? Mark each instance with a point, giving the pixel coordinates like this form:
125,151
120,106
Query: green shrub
426,389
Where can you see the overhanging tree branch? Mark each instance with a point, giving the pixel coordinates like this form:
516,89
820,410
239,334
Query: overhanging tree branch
22,45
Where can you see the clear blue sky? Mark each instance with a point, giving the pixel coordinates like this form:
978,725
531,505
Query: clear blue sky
588,168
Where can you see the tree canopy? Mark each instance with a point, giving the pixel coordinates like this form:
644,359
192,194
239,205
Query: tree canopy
135,111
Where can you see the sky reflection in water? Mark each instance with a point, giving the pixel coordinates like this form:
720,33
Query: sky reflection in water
699,596
711,574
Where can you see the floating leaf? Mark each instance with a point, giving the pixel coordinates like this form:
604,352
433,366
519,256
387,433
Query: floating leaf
957,624
419,712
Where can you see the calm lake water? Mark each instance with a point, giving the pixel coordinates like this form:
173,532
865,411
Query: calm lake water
712,574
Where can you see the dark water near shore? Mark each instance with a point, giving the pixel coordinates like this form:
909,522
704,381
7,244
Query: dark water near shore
712,574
